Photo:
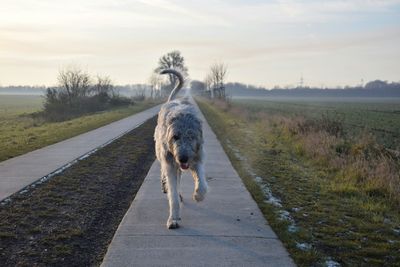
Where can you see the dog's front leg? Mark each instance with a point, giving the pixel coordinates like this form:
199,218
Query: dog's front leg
200,183
173,197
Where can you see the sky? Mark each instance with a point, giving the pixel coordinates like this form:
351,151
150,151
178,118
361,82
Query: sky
264,43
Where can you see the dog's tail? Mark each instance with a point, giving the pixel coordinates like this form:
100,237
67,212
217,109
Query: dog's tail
178,86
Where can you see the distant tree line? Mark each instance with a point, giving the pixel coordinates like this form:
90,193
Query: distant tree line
23,89
375,88
129,90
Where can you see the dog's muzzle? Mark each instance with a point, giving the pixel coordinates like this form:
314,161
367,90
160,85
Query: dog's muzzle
184,166
183,162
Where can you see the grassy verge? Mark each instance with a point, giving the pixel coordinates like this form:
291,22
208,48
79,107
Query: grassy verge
21,133
319,224
70,219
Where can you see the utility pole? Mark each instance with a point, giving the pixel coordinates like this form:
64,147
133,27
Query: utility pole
301,83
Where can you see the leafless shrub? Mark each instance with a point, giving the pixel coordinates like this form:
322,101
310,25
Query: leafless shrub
74,82
103,86
76,94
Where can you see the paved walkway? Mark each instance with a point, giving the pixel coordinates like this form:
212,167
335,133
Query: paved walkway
227,229
19,172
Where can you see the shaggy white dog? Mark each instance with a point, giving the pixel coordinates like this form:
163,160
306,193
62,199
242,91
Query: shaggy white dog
179,147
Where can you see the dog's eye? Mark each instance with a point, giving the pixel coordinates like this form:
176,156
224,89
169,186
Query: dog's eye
176,137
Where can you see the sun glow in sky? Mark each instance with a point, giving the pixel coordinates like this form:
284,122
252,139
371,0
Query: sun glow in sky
267,43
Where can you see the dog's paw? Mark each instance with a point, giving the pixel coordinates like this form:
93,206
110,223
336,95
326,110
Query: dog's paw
199,193
198,197
180,198
172,224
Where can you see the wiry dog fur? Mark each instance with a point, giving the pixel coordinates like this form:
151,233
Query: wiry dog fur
179,146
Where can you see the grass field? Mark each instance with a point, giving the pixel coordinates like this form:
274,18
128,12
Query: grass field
325,215
379,116
14,105
20,132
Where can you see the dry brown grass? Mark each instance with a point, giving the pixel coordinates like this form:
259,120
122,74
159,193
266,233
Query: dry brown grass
358,160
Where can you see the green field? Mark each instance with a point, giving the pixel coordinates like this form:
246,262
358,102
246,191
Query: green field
379,116
20,132
14,105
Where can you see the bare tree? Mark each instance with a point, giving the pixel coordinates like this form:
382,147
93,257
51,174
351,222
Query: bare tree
75,82
140,92
216,80
103,86
172,60
156,83
208,85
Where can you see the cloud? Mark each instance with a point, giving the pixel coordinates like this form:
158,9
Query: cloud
315,46
303,11
190,12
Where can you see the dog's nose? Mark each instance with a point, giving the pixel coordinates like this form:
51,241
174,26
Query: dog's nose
183,159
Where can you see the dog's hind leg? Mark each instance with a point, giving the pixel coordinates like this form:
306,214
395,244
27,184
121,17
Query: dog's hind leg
173,197
200,183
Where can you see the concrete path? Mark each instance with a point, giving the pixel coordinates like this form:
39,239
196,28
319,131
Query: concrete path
21,171
227,229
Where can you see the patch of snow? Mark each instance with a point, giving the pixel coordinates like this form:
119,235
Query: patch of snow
332,263
274,201
23,191
284,215
239,156
303,246
293,228
253,174
269,197
5,201
296,209
258,179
